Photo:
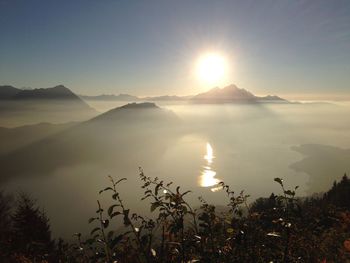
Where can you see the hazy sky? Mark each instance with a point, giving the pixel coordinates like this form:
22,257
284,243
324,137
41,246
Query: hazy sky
290,48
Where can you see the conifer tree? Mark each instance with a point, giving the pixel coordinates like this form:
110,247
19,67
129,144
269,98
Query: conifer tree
31,229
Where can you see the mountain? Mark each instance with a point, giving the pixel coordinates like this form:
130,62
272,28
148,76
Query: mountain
166,98
232,94
59,92
131,98
56,105
129,113
271,98
226,94
229,94
60,95
7,92
120,97
120,136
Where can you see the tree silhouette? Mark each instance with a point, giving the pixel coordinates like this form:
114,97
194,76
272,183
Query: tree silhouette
31,229
5,223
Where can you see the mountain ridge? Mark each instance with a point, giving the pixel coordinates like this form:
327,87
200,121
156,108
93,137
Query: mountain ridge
56,105
230,93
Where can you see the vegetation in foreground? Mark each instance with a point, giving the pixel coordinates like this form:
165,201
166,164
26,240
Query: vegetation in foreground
281,228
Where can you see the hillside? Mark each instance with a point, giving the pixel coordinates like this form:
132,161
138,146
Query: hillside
110,139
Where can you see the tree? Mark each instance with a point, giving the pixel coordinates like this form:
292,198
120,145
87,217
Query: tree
31,229
5,223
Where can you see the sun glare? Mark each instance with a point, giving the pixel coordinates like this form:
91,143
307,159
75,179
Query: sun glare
211,68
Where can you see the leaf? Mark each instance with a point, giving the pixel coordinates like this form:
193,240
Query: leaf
153,252
120,180
289,192
106,189
279,180
154,206
92,219
185,193
94,230
110,209
99,210
229,230
274,234
145,197
114,214
156,189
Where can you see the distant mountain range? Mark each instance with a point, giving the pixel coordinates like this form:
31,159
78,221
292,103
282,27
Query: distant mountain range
120,97
131,98
229,94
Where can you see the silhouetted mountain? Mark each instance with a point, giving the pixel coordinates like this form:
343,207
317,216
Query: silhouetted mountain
232,94
167,98
271,98
229,94
120,97
57,105
59,92
7,92
131,98
136,113
110,139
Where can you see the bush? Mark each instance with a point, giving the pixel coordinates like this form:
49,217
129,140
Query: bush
280,228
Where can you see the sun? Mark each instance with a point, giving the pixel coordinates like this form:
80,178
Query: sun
211,68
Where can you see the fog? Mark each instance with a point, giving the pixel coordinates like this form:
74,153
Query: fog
30,111
250,145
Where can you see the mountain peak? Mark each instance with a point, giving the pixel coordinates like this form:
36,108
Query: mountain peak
129,113
232,93
143,105
226,94
58,92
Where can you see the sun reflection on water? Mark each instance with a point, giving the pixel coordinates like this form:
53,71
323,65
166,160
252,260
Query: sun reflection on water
207,178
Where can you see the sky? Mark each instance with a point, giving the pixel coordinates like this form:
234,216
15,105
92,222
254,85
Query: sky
296,49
